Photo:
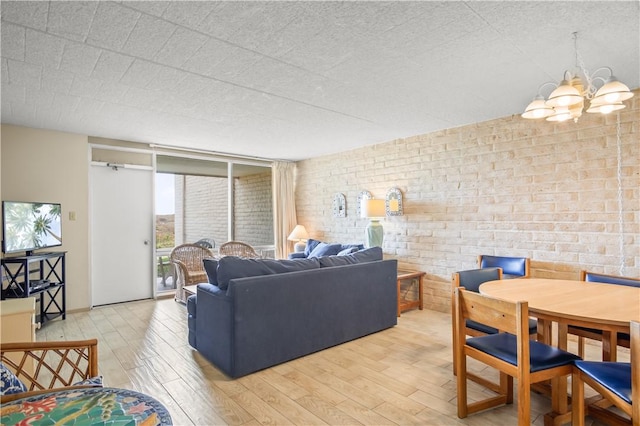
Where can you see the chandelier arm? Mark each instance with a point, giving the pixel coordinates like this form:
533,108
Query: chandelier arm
551,83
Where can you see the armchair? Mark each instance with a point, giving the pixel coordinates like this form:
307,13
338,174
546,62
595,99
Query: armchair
43,366
187,262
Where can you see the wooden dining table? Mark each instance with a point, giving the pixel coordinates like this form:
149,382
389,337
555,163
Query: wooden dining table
607,307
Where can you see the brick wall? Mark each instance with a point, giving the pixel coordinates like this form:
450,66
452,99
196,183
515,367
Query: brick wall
503,187
253,209
201,209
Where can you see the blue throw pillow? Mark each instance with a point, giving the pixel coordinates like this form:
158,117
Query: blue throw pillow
311,244
324,249
367,255
10,383
356,246
211,268
91,381
230,267
348,251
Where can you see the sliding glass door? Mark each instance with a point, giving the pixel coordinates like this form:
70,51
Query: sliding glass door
210,202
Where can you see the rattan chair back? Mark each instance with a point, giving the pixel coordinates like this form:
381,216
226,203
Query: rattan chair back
238,248
43,366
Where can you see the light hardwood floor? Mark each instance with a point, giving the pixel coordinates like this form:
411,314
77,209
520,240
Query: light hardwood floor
400,376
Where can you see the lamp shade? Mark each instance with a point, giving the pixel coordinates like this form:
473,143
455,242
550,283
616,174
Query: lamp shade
613,91
298,233
564,95
537,109
373,208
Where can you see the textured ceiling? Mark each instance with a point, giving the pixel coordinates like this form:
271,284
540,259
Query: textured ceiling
294,80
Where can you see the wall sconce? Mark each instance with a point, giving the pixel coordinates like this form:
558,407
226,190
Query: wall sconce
339,205
374,210
300,235
393,202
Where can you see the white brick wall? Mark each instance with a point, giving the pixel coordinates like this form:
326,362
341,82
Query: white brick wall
201,209
503,187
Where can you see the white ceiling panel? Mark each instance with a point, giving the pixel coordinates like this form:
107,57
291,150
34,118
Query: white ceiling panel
71,19
294,80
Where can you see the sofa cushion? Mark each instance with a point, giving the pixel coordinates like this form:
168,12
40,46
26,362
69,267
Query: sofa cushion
211,268
230,267
367,255
324,249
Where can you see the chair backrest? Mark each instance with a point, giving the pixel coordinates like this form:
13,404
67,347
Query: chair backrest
191,255
506,316
609,279
472,278
52,364
511,266
206,243
238,248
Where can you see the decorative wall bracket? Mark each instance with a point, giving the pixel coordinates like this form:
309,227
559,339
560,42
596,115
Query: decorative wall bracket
339,205
393,202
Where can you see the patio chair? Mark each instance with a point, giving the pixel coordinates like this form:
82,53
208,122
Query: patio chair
238,248
617,382
54,365
609,351
511,352
187,260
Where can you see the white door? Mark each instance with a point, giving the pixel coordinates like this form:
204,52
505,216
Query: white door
121,234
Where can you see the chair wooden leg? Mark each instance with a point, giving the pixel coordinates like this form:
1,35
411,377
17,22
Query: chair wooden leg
461,381
524,402
577,401
581,347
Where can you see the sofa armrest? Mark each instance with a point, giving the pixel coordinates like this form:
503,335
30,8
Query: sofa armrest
214,325
297,255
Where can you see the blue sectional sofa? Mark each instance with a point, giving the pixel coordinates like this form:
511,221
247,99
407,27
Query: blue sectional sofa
249,322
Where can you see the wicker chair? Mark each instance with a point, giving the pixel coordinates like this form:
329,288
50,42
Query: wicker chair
237,248
46,366
187,261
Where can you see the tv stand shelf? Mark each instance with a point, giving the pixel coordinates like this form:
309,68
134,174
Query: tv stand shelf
40,275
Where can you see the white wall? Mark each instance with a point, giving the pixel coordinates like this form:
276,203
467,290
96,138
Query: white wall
50,166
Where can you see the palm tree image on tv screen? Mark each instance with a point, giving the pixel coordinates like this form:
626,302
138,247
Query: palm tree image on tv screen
30,226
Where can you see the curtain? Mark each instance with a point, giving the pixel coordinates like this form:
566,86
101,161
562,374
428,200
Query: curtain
284,205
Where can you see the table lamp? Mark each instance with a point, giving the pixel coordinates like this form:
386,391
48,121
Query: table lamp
374,210
300,235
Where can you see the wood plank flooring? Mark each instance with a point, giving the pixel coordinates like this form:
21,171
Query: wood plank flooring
400,376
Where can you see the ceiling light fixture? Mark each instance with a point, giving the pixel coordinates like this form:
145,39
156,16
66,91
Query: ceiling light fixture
567,100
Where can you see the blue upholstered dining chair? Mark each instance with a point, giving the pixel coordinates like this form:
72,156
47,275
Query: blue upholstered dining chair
511,352
617,382
471,281
512,267
609,353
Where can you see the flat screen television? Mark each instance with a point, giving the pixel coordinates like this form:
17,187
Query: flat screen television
30,226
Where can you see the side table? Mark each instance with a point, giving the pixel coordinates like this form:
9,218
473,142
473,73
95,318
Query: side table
412,276
188,290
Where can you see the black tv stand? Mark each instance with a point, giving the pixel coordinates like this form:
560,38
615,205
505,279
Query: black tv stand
40,275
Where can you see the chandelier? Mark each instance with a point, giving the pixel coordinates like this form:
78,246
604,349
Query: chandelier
569,98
